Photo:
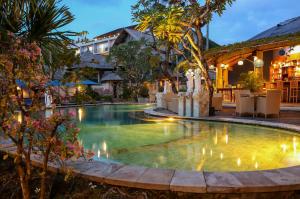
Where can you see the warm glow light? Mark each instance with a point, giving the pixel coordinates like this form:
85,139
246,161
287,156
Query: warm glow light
256,165
216,139
226,139
211,153
19,117
171,119
295,50
295,145
284,147
99,153
221,156
239,162
18,88
79,88
211,67
80,114
203,151
104,147
241,62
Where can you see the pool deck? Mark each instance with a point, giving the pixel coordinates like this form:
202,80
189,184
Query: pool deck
266,181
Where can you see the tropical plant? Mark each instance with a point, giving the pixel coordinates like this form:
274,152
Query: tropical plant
180,22
134,61
251,81
35,135
39,21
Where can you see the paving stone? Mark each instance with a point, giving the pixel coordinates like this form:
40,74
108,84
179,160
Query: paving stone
101,170
125,176
157,179
221,182
254,182
186,181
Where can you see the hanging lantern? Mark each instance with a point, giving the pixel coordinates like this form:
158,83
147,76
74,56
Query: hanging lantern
258,63
241,62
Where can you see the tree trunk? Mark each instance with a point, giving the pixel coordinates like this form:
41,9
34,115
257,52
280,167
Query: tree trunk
24,182
22,174
44,172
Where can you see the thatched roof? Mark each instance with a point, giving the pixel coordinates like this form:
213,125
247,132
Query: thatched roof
244,49
290,26
111,76
284,34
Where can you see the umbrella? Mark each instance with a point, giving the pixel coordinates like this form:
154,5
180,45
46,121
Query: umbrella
88,82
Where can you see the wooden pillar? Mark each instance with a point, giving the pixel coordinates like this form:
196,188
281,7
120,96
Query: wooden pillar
219,76
225,77
259,71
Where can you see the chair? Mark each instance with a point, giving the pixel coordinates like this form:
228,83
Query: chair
294,91
244,102
217,101
269,105
284,91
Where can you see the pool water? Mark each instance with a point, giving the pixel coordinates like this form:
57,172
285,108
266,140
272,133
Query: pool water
121,133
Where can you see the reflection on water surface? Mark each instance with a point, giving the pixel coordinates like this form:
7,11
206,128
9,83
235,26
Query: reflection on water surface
121,133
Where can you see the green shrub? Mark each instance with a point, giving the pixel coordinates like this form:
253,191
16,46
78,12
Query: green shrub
144,92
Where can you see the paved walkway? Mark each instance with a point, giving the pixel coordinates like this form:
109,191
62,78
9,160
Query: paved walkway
288,117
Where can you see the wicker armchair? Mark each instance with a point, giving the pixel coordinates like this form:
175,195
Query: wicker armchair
269,105
217,101
244,102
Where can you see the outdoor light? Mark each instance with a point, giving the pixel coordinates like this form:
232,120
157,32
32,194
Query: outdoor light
212,67
171,119
258,63
241,63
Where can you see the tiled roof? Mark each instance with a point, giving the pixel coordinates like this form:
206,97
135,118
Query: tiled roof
116,31
290,26
90,60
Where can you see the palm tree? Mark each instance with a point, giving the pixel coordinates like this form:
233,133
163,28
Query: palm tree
39,21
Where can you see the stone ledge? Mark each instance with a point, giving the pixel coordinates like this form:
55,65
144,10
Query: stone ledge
284,126
277,180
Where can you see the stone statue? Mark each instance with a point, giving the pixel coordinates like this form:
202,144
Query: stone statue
197,77
190,83
48,100
167,87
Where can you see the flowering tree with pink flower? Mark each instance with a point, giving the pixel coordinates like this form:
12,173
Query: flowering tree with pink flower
22,113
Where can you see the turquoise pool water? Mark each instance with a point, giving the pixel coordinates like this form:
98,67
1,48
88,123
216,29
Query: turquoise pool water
121,133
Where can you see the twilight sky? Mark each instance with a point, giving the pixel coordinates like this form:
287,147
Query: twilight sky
242,21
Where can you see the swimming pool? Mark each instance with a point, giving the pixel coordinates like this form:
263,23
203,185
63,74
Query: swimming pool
121,133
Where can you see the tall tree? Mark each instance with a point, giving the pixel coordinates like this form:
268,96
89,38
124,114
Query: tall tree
134,61
160,45
180,22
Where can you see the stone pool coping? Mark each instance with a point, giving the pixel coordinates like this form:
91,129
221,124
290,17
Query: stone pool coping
275,124
277,180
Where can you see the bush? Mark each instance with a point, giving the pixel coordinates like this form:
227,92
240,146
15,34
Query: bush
144,92
93,94
107,98
127,93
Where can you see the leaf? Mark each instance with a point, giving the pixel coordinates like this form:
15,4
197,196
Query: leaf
5,156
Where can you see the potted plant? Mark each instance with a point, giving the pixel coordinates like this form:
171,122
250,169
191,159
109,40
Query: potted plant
251,81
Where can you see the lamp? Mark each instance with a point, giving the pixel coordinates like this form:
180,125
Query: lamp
241,62
258,63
